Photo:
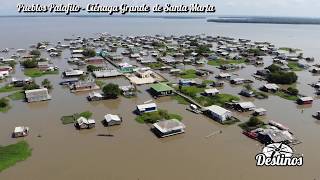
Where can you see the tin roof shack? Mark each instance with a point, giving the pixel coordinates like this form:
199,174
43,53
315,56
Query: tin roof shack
161,89
247,93
111,120
145,108
44,66
73,73
237,81
36,95
223,76
217,84
211,92
218,113
259,112
20,82
244,106
95,61
263,72
20,131
305,100
167,128
84,86
201,72
95,96
106,73
271,135
6,68
126,68
187,82
270,87
84,123
128,90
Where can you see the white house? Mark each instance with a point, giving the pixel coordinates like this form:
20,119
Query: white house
111,120
168,127
145,108
270,87
37,95
245,106
84,123
218,113
211,92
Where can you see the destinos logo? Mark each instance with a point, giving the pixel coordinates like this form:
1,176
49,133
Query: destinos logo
278,154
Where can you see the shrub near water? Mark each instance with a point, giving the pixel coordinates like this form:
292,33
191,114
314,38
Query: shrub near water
153,117
11,154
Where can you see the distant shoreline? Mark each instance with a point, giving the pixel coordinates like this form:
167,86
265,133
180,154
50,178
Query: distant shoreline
267,20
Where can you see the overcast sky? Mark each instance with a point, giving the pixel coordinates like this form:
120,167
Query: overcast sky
297,8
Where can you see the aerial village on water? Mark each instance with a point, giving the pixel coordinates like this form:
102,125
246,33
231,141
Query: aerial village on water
192,69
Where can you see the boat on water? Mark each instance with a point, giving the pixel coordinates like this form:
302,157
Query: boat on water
250,134
278,125
193,108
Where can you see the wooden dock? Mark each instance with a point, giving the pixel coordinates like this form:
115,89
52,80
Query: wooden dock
103,55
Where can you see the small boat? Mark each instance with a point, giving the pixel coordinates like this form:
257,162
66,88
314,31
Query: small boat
21,131
106,135
317,115
193,108
250,134
278,125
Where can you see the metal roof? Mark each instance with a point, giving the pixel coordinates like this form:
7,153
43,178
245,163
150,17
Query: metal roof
159,87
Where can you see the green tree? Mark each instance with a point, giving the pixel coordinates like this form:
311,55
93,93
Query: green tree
89,52
293,91
29,63
35,52
254,121
92,68
202,49
274,68
111,90
4,102
31,86
86,114
46,83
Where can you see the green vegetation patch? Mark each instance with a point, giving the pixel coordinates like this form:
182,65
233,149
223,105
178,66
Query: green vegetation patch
207,81
291,50
219,99
230,121
153,117
19,95
70,119
4,105
294,66
252,123
100,83
34,72
9,88
191,91
287,96
188,74
280,77
220,62
155,65
11,154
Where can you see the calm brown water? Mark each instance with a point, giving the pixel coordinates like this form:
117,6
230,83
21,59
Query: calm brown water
134,152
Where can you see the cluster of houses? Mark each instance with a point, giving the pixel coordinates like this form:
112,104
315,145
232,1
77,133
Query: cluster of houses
166,52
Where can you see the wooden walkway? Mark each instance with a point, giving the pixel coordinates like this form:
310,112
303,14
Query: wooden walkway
190,100
111,62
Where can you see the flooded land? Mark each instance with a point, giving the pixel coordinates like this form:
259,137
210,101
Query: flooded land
134,152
